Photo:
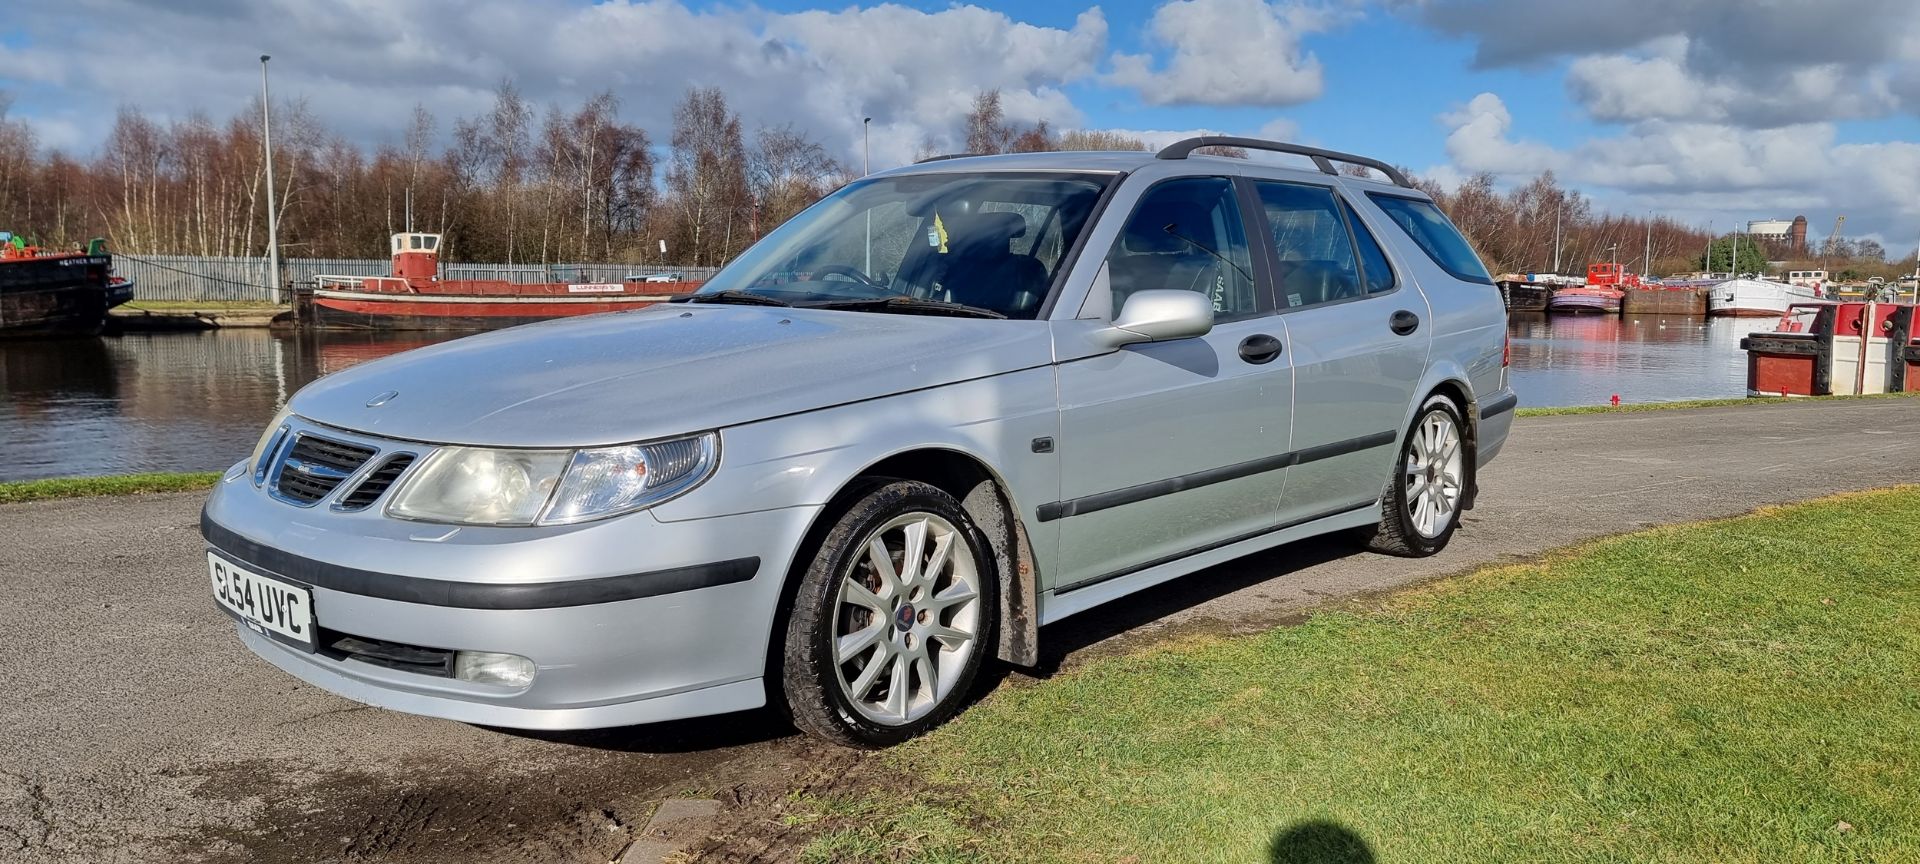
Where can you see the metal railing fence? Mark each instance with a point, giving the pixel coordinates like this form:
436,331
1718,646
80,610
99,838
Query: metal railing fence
199,278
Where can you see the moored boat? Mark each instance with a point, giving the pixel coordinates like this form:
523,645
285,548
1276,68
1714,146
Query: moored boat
1757,298
52,293
416,298
1586,298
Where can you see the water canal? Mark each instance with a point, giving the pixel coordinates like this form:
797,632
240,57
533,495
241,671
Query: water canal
197,401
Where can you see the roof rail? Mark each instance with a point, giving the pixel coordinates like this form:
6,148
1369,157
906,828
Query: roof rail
945,156
1322,158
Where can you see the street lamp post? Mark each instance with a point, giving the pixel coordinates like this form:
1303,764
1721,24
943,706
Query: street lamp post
273,216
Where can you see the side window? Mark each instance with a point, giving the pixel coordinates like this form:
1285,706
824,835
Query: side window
1185,235
1435,236
1373,261
1313,253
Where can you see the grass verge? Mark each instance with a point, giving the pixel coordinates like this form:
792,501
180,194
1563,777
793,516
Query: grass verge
1633,407
1745,690
126,484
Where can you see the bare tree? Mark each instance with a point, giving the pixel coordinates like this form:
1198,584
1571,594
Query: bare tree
1094,139
707,177
786,172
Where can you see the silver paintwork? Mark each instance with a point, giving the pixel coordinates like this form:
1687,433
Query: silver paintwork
806,401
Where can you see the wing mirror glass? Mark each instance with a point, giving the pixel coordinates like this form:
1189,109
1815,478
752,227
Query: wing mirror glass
1160,316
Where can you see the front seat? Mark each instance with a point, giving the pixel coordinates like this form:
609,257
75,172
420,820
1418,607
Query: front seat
983,270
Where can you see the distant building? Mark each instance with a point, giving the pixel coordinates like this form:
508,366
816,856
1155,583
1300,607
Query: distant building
1792,233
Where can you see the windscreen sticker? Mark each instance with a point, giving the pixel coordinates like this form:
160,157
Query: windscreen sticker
1293,299
937,235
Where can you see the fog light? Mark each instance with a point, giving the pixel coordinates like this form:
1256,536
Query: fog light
487,667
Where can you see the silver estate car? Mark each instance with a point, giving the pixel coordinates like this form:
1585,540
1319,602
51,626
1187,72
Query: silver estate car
944,407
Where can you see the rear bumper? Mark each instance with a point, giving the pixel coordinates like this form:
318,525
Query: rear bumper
1496,420
629,620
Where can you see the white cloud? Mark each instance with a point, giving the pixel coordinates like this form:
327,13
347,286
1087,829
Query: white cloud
1227,52
1480,141
1697,170
1760,66
363,64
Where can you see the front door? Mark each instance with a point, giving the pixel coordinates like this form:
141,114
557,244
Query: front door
1358,339
1170,447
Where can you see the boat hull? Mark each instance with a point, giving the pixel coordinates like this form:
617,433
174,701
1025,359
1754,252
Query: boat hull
1583,303
53,296
352,310
1753,298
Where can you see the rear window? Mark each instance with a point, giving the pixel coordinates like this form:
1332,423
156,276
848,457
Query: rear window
1436,236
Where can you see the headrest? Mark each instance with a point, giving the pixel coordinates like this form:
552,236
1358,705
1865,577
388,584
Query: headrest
997,226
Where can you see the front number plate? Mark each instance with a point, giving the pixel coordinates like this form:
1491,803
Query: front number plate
268,605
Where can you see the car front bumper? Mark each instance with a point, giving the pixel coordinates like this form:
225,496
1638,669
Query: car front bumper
627,620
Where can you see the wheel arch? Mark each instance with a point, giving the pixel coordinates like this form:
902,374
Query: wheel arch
987,499
1456,389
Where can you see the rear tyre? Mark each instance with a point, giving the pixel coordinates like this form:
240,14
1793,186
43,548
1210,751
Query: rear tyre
891,620
1421,504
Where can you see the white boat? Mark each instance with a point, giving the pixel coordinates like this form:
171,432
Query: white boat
1756,298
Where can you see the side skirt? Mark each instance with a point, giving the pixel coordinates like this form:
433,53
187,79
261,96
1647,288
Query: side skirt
1061,603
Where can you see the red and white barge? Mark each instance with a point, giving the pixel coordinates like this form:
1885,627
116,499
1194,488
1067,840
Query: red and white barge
1823,348
416,298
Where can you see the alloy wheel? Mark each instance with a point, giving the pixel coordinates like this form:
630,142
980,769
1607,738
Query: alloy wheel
1436,471
906,619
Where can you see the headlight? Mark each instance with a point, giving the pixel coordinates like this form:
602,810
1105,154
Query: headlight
473,486
269,441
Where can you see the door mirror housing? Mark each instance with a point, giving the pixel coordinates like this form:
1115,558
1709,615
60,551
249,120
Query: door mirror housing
1160,316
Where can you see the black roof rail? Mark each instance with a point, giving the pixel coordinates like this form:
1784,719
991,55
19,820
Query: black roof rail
1322,158
945,156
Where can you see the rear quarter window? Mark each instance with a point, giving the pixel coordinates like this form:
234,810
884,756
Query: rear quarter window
1430,230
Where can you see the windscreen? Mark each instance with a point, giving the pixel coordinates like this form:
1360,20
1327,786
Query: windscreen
993,241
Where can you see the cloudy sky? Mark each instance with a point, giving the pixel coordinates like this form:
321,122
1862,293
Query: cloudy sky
1701,109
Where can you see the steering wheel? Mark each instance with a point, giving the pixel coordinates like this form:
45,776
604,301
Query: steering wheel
850,272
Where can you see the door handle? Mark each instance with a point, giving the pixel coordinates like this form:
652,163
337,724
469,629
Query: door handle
1259,348
1404,322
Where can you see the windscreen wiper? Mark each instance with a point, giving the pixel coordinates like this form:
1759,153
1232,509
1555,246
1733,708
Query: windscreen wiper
908,305
744,298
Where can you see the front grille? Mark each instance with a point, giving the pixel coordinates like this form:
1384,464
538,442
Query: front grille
314,467
376,484
392,655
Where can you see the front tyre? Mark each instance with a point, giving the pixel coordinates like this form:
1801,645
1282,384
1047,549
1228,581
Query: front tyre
892,619
1420,506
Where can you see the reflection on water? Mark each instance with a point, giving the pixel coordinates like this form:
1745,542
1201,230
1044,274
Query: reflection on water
197,401
159,402
1587,359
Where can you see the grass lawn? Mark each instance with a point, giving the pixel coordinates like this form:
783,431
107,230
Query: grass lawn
127,484
1737,691
1695,403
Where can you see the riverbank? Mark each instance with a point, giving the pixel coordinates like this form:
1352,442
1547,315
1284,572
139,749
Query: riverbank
1736,691
1634,407
82,487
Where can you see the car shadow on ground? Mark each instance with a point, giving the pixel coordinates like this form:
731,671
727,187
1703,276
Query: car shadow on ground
1124,616
1317,841
699,734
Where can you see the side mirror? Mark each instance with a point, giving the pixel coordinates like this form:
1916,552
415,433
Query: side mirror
1160,316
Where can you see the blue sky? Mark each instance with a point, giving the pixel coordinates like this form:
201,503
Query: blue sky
1708,109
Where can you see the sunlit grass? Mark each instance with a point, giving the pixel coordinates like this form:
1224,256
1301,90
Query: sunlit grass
1696,403
1737,691
127,484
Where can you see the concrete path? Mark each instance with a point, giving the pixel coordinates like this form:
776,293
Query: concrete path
134,727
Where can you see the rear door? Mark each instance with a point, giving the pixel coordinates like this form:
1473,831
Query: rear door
1358,337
